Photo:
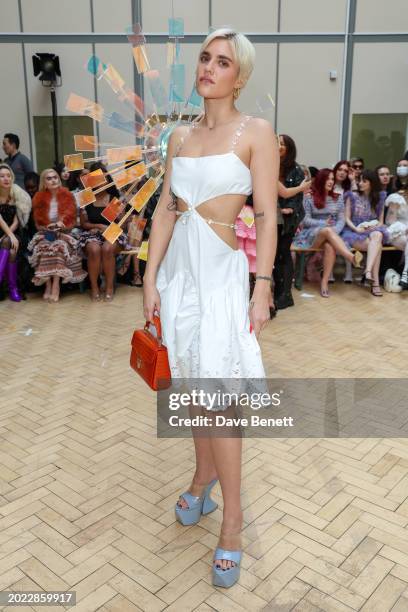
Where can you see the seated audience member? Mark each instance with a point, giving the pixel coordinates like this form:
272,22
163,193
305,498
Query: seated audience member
342,180
31,185
397,217
19,163
384,174
357,164
100,253
55,254
15,206
365,229
322,225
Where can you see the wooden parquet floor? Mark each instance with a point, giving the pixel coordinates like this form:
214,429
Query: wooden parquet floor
87,491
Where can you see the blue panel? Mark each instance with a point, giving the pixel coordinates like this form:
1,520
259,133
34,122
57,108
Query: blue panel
176,27
177,83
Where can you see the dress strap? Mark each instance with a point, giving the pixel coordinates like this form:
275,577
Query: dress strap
239,131
184,137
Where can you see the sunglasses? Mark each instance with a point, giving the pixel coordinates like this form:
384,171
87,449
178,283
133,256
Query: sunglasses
357,167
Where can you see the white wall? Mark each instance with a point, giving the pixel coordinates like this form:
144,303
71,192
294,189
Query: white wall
10,21
313,15
250,16
155,14
309,103
112,15
56,15
13,115
381,16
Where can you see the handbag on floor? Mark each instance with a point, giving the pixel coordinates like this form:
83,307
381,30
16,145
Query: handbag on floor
149,356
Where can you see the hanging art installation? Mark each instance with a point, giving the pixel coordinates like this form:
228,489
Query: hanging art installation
149,128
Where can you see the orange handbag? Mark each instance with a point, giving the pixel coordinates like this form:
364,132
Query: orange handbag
149,356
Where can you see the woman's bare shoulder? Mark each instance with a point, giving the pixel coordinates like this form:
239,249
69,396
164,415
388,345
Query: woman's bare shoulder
260,128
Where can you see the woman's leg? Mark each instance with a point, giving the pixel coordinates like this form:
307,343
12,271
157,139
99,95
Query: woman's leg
93,254
329,259
227,453
109,252
327,234
55,288
373,253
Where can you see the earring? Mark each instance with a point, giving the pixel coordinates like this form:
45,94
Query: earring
236,93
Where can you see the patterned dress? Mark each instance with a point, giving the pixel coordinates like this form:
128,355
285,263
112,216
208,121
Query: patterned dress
361,213
316,219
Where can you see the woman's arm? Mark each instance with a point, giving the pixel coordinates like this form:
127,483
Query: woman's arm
392,214
264,168
86,225
164,217
290,192
14,225
309,220
349,222
9,232
341,221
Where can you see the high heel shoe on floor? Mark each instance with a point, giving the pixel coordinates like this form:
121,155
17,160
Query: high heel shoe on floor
358,258
376,291
196,506
226,577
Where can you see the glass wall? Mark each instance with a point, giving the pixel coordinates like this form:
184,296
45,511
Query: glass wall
379,139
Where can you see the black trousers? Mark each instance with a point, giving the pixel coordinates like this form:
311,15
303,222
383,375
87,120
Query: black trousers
283,271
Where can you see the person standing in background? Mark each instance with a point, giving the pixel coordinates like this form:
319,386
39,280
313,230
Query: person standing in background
19,163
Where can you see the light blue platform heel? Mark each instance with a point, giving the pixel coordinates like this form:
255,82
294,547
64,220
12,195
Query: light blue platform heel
226,577
196,506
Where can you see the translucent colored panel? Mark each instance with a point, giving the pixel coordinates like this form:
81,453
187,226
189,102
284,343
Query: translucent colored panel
176,27
74,161
143,250
177,83
85,143
113,209
195,99
131,98
112,232
247,218
265,103
140,57
83,106
171,53
119,122
130,175
157,89
93,179
144,194
114,79
96,67
136,36
85,197
122,154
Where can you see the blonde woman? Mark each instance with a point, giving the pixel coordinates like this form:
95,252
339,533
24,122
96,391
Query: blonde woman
15,206
197,277
55,254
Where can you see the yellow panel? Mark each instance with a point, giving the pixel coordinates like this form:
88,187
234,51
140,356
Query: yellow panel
143,195
84,106
85,197
121,154
140,57
130,175
74,161
144,248
93,179
85,143
112,232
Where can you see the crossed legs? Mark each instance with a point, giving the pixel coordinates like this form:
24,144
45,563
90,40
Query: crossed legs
332,244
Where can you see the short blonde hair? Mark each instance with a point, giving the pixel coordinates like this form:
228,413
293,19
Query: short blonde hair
242,47
41,186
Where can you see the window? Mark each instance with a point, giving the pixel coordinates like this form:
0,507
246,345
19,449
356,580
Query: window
379,139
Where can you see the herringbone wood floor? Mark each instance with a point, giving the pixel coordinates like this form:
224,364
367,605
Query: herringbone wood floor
87,490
